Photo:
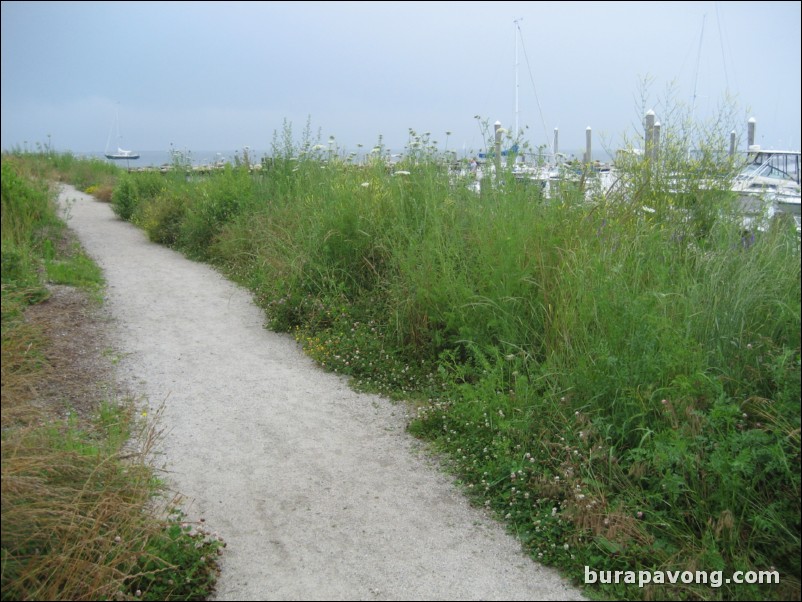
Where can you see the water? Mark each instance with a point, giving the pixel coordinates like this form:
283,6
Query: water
153,158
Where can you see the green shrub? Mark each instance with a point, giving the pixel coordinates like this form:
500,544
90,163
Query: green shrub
162,216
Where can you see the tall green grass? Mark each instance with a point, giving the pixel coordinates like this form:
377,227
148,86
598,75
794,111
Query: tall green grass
91,175
615,373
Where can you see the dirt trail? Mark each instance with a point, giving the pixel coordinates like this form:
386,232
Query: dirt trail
318,491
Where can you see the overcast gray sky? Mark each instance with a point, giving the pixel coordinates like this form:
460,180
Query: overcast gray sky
224,75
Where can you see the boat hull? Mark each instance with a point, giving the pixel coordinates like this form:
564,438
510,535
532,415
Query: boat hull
117,157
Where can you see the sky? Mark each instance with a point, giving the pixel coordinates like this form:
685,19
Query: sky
226,75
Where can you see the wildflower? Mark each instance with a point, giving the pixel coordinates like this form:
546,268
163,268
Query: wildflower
365,184
639,514
565,547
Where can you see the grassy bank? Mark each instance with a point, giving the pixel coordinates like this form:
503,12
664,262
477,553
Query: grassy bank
83,514
615,374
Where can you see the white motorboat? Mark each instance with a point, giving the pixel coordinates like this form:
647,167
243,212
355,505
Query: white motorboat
769,185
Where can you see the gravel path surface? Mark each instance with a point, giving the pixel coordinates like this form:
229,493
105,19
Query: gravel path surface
318,490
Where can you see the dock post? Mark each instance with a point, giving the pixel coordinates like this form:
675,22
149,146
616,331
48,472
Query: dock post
556,142
588,147
732,143
656,141
498,131
750,133
648,134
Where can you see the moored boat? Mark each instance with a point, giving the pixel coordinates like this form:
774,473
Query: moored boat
769,184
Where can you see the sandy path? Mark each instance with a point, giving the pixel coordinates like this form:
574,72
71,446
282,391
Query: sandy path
318,491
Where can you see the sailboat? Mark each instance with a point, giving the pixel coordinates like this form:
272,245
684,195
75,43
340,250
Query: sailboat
121,152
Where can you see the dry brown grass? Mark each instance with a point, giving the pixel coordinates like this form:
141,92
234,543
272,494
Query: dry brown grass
73,491
102,192
73,525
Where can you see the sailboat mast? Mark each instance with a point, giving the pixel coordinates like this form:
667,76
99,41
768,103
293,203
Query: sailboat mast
698,60
517,85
